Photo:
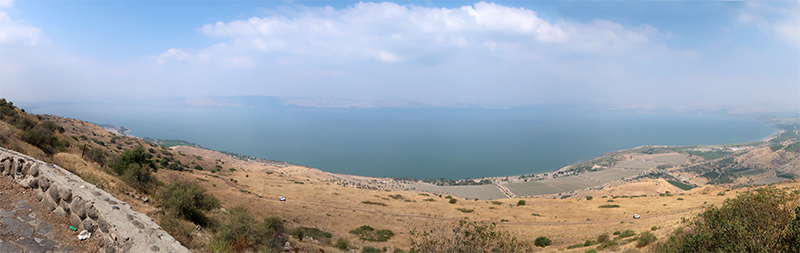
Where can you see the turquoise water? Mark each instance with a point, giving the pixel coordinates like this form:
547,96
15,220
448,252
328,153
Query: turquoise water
421,143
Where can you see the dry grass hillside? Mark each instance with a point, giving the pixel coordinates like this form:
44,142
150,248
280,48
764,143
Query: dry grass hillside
337,204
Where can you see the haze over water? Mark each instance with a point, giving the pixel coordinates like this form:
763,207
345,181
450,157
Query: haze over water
420,143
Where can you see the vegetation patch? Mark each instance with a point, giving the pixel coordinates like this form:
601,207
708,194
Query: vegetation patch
609,206
186,199
467,236
761,220
373,203
465,210
542,241
397,196
368,233
681,185
241,232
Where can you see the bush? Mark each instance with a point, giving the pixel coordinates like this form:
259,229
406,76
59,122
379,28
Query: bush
96,155
368,233
627,233
187,200
521,202
645,238
342,244
370,249
241,232
182,230
452,201
589,197
465,210
319,235
373,203
542,241
609,206
466,236
198,167
761,220
603,238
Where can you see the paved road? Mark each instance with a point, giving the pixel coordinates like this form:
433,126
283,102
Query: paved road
26,226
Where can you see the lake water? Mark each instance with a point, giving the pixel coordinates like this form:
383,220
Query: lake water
421,143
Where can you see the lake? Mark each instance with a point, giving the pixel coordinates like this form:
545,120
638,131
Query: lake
420,143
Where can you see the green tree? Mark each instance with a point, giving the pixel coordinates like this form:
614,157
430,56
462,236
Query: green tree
187,200
542,241
760,220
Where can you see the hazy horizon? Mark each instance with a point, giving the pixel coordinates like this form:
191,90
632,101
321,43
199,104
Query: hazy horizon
675,55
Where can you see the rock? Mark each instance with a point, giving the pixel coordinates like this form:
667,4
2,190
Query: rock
44,183
65,194
48,202
28,183
102,224
78,207
60,212
74,220
53,192
91,211
34,171
89,225
64,205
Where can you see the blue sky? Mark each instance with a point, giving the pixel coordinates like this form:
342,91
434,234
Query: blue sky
742,56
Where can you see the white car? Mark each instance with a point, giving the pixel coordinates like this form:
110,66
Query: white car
281,198
635,216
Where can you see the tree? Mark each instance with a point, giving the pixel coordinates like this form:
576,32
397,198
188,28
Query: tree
760,220
187,200
542,241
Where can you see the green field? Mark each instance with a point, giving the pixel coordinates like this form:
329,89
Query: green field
681,185
468,191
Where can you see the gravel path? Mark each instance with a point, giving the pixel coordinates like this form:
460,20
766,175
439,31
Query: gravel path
26,226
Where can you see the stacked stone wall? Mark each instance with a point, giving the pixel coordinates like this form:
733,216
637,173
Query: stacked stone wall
112,222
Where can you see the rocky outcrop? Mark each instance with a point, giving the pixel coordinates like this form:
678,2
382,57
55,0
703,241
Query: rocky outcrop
111,221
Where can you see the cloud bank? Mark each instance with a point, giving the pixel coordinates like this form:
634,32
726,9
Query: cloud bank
482,54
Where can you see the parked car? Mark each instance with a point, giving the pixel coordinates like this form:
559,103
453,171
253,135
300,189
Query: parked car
281,198
635,216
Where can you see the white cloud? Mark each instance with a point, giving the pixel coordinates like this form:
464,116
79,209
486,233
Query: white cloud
783,21
14,32
349,34
6,3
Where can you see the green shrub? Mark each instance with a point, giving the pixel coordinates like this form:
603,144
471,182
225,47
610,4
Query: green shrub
542,241
603,238
465,210
180,229
521,202
342,244
627,233
370,249
494,202
368,233
187,200
241,232
591,251
96,155
452,201
319,235
198,167
466,236
589,197
398,196
373,203
609,206
616,232
645,238
761,220
429,200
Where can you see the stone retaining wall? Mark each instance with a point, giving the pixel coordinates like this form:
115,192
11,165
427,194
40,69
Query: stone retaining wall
111,221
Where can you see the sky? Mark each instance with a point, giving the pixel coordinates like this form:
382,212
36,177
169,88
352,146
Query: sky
613,54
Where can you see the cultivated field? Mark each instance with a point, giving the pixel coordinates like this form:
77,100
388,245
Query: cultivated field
609,175
550,186
467,191
769,180
671,158
637,164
